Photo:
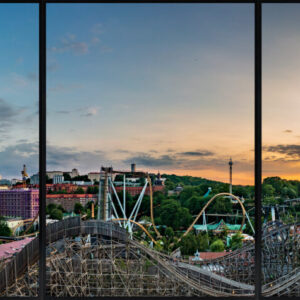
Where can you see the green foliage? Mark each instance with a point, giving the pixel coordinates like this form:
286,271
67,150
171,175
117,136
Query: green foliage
50,207
92,190
81,178
217,246
67,177
4,229
79,190
236,241
61,208
169,232
56,214
173,215
48,180
78,208
188,244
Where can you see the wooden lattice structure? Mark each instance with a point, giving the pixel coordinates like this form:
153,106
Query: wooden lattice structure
95,258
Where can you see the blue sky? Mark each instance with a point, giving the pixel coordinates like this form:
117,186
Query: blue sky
18,88
168,86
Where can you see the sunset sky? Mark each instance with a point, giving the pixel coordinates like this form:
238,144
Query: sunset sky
281,90
168,86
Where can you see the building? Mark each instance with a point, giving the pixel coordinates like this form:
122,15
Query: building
133,168
23,203
219,227
67,201
5,182
15,181
200,256
94,176
58,179
74,173
136,190
35,179
68,188
10,249
159,180
51,174
176,191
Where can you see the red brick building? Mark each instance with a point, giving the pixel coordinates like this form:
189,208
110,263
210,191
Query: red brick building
136,190
67,201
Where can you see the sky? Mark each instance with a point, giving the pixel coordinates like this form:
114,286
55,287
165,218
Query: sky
169,87
18,88
281,90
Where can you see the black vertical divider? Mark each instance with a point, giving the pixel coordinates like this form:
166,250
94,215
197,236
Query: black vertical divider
258,145
42,148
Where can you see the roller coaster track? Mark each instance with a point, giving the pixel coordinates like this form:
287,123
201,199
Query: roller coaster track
181,272
195,220
220,277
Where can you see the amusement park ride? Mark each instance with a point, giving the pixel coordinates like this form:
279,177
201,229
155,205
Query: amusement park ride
107,209
99,257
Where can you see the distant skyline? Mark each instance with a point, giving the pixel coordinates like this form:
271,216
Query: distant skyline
169,87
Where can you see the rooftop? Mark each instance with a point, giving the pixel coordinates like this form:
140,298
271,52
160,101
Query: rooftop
9,249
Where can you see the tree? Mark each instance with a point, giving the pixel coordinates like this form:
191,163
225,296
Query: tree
236,241
217,246
61,208
79,190
268,190
4,229
56,214
202,241
50,207
169,232
48,180
78,208
188,244
67,177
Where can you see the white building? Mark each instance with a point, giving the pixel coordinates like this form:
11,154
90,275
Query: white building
94,176
74,173
51,174
58,179
35,179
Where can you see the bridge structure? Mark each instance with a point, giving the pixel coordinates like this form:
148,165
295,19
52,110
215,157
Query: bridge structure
98,258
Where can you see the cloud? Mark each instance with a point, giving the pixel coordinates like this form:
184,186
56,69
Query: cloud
292,150
147,160
288,131
52,67
97,29
64,87
20,80
95,40
176,161
63,112
69,44
13,157
69,157
32,76
8,114
197,153
90,112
